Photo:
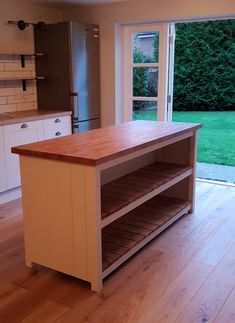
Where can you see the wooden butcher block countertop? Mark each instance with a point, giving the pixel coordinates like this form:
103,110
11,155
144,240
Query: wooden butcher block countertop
30,115
101,145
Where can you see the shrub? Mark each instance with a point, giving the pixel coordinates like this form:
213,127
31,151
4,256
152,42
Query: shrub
204,76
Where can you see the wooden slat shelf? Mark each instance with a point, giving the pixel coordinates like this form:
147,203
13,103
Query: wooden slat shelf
128,234
20,78
125,193
22,54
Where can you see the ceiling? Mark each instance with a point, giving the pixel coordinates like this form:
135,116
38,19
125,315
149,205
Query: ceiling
86,2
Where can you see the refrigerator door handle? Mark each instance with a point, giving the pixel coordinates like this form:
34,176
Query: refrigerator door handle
75,128
75,109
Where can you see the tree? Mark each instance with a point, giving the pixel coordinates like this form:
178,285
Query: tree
204,76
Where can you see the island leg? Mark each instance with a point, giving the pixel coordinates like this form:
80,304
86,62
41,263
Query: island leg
97,285
93,219
192,163
28,263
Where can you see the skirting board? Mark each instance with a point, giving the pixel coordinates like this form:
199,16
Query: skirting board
10,195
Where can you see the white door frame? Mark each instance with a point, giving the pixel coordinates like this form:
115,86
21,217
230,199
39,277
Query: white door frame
127,32
171,61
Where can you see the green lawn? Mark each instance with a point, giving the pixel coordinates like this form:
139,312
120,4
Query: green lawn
216,139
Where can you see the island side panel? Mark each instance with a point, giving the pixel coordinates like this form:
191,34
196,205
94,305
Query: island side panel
192,163
182,152
47,212
93,221
79,220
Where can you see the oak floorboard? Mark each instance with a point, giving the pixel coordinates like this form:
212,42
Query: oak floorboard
210,201
177,294
187,274
210,298
201,190
227,313
10,213
221,241
115,287
8,293
50,312
150,283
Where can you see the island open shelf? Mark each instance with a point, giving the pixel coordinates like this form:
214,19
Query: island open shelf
122,238
131,190
92,200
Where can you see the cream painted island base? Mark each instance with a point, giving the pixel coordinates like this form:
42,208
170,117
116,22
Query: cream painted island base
92,200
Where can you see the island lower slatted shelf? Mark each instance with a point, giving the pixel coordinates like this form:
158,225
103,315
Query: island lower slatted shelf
125,236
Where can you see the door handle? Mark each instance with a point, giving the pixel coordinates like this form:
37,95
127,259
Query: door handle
75,95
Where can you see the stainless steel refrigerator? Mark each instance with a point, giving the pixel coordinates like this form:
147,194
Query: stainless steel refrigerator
70,65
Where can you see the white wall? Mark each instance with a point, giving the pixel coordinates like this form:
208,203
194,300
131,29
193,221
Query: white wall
136,11
12,39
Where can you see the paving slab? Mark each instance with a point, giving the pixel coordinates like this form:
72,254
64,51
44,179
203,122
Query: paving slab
216,172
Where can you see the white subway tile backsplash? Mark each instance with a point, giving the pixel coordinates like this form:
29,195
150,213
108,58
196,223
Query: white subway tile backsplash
16,66
29,89
25,106
6,74
12,96
7,107
21,98
3,100
30,67
30,98
7,91
14,99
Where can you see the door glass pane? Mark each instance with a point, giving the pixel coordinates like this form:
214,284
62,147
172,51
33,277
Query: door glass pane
145,47
144,110
145,81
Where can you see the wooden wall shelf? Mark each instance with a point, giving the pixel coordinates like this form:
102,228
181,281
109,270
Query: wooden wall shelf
22,54
22,78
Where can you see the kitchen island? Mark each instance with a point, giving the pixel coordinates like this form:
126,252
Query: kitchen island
92,200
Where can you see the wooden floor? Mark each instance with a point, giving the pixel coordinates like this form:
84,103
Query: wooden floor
185,275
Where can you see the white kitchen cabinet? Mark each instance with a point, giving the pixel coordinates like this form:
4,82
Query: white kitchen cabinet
57,123
3,177
15,135
57,127
57,133
24,133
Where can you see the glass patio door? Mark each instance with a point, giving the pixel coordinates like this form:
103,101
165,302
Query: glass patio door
145,71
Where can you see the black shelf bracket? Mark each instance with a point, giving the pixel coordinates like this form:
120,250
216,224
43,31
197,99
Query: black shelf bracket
22,58
24,85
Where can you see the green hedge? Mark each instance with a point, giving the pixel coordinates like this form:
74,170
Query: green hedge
204,76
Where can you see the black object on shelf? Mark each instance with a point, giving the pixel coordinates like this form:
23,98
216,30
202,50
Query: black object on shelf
21,24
